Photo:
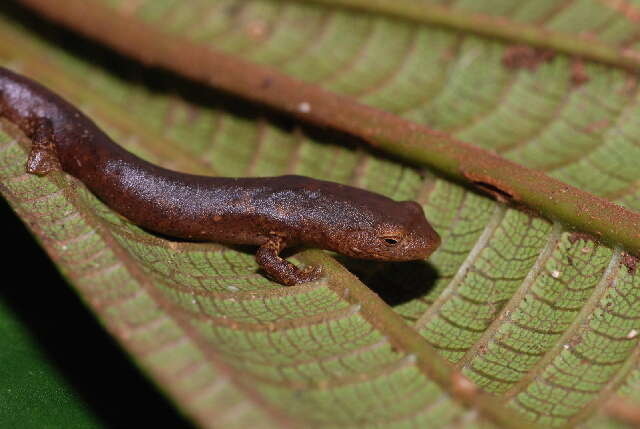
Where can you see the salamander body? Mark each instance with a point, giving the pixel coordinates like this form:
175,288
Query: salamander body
270,212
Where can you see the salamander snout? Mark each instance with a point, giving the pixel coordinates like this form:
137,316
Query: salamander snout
421,240
416,239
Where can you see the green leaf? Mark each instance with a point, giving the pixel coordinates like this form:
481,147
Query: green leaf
32,393
540,317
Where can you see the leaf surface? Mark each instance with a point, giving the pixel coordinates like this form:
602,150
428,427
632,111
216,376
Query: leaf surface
540,316
32,392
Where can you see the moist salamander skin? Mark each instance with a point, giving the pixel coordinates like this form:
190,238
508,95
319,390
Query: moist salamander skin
270,212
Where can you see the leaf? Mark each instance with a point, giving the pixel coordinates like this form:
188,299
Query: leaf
30,384
542,317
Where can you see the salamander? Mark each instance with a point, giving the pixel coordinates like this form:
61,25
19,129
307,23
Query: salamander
269,212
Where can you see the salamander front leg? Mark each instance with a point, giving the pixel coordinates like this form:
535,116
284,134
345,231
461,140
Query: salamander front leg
280,269
43,158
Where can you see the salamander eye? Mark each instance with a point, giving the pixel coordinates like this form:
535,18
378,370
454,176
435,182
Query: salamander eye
390,241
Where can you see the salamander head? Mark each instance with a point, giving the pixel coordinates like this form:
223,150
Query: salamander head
401,234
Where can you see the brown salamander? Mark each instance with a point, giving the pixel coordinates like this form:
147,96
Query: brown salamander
270,212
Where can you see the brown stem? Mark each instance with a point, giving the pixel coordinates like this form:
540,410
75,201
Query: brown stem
623,410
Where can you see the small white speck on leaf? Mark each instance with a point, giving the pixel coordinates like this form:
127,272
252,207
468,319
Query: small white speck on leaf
632,333
304,107
566,346
555,274
411,358
233,288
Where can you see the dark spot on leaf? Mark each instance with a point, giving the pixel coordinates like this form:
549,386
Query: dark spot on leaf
579,74
597,126
631,262
526,57
233,10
